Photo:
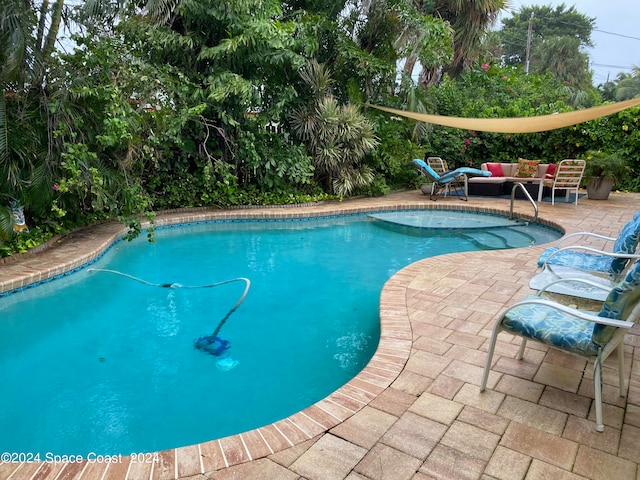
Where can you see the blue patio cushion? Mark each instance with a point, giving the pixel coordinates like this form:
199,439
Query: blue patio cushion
430,172
577,259
555,328
551,327
619,303
451,175
627,242
472,172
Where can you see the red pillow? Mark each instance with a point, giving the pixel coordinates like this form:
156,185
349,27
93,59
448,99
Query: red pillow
495,169
551,170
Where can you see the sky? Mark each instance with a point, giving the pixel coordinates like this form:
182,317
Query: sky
616,35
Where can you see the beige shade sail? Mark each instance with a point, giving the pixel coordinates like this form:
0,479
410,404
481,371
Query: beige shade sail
518,124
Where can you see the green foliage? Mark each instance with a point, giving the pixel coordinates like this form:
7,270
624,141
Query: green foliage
428,38
470,21
497,92
6,225
277,162
391,158
173,104
488,92
558,35
625,87
338,137
605,165
25,241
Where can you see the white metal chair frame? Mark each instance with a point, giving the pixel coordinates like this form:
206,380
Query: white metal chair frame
568,177
440,167
615,343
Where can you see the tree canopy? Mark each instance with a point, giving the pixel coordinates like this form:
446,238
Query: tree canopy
625,86
543,38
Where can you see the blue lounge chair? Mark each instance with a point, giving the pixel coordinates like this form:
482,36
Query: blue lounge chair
589,334
443,183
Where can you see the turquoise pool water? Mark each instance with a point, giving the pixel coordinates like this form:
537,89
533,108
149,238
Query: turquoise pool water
96,362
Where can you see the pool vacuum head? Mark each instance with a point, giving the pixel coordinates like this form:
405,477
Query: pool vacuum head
215,346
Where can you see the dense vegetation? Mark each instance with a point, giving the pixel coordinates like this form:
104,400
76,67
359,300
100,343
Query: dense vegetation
161,104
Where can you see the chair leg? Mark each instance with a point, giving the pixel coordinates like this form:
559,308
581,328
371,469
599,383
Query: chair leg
597,393
523,345
490,350
434,192
621,375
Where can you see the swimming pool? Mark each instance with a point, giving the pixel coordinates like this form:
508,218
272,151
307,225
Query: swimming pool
72,352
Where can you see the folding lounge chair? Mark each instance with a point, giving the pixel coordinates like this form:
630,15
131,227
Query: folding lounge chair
440,166
580,261
442,183
587,334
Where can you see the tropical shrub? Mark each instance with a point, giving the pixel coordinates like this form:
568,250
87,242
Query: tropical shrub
338,137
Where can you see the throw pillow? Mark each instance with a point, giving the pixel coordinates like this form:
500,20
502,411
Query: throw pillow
495,169
527,168
551,170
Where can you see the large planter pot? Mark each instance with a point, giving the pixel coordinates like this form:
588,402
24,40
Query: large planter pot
599,188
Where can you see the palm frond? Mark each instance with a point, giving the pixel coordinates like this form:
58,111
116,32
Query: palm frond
317,77
161,11
6,224
4,141
14,35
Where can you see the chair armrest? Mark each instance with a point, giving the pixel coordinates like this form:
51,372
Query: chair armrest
574,312
587,234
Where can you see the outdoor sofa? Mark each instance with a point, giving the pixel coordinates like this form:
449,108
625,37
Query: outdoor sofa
531,173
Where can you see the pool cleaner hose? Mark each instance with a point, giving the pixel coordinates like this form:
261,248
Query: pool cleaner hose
212,344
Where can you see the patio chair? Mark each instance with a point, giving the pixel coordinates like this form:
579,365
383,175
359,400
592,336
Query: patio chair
441,168
567,177
584,257
587,334
442,183
602,266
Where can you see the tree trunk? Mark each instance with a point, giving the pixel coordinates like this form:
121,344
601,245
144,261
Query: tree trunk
44,8
409,65
52,35
43,55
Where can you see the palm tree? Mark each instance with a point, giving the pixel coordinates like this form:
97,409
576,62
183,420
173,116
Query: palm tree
425,38
26,45
628,85
468,23
469,20
338,137
562,57
15,32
